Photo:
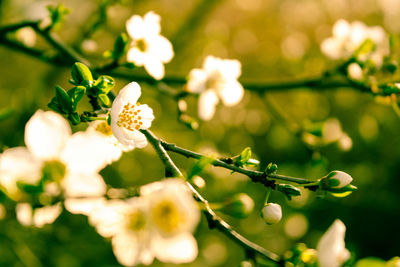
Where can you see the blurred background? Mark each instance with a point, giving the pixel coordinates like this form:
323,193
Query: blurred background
275,40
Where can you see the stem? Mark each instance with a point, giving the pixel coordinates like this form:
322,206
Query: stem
255,176
214,221
269,190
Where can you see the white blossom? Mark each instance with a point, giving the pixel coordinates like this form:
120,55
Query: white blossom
272,213
217,80
331,247
72,162
348,37
341,179
355,72
148,48
128,117
158,224
37,217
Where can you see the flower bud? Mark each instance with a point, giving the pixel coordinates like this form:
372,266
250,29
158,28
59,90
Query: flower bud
271,168
239,206
336,179
271,213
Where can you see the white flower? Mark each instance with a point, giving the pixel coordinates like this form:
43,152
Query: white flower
114,147
348,37
339,179
272,213
148,48
355,72
158,224
331,247
128,116
39,216
216,80
69,162
27,36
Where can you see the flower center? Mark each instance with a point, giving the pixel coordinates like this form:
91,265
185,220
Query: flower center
129,117
166,216
136,220
141,45
104,128
53,170
214,80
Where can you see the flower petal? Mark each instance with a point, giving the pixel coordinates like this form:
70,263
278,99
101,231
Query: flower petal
136,56
135,27
154,67
147,116
46,134
24,213
179,249
83,184
161,48
46,215
231,93
207,103
197,81
130,250
85,206
152,23
18,164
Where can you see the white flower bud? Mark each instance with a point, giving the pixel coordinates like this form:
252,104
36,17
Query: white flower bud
355,72
338,179
272,213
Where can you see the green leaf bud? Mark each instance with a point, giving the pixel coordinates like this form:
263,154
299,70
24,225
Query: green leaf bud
104,84
81,75
63,99
271,168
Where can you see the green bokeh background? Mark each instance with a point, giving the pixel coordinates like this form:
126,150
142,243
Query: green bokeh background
275,40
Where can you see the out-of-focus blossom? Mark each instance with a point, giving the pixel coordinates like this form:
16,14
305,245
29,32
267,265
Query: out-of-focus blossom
331,247
128,117
148,48
271,213
350,38
158,224
27,36
355,72
37,217
325,133
60,161
217,80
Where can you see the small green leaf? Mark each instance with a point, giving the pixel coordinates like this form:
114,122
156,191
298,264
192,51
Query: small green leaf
199,167
289,190
74,118
55,106
81,74
104,99
104,84
76,95
120,45
271,168
63,99
244,156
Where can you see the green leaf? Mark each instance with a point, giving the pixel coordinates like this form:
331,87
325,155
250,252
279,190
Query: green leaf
57,14
80,74
104,100
271,168
63,99
74,118
289,190
55,106
244,156
6,113
29,188
104,84
199,167
76,95
120,45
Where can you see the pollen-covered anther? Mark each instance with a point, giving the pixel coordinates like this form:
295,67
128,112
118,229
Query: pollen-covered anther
129,117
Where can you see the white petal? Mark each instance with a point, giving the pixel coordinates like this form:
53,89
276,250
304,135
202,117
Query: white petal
161,48
46,215
135,27
197,81
231,68
207,103
86,152
85,206
136,56
147,116
332,48
130,138
152,23
83,184
46,134
211,63
179,249
231,93
24,213
331,246
130,250
154,67
341,29
18,164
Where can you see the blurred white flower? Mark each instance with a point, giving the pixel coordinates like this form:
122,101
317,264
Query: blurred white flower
27,36
37,217
174,215
331,247
148,48
158,224
348,37
115,148
67,163
271,213
355,72
216,80
128,116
